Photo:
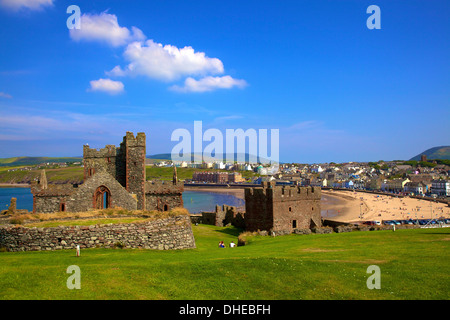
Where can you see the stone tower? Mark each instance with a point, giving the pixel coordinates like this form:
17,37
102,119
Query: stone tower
125,163
135,166
282,209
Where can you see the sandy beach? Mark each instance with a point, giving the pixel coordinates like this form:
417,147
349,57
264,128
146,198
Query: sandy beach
352,206
361,206
237,192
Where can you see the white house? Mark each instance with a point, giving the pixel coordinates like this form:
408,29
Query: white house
440,187
416,188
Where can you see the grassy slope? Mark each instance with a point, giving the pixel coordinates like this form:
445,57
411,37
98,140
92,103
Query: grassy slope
435,153
413,263
75,174
162,173
68,174
26,161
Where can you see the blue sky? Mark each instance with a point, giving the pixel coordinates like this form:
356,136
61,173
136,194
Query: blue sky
336,90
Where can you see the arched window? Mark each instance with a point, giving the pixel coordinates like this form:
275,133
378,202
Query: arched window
166,207
102,198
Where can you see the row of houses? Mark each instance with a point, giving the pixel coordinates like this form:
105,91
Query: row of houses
440,187
217,177
414,184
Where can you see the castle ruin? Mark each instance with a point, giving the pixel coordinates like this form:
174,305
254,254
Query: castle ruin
282,209
114,177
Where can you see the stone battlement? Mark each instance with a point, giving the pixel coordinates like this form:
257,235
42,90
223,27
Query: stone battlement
107,151
280,193
131,141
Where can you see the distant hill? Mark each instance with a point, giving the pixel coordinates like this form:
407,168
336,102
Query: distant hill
167,156
435,153
29,161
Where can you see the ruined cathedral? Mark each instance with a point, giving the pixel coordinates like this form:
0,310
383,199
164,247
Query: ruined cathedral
114,177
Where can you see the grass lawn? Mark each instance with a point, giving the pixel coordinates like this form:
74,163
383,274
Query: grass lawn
75,174
414,264
166,173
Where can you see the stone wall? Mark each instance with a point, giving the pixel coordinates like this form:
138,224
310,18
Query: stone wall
223,216
163,234
106,159
163,195
83,198
48,203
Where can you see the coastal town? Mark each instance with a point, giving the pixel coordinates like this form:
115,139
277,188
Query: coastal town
430,178
421,178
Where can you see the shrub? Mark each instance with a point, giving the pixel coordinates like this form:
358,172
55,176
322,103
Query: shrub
19,218
118,245
243,238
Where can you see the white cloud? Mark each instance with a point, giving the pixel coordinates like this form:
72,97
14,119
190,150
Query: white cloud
5,95
16,5
105,28
166,63
209,84
107,85
151,59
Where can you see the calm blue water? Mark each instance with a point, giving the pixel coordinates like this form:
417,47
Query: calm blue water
194,201
23,195
198,201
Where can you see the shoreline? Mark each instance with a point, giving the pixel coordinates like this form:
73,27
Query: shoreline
15,185
361,206
354,206
345,206
237,192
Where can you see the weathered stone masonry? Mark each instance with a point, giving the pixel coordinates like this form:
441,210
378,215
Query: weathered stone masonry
114,177
162,234
282,208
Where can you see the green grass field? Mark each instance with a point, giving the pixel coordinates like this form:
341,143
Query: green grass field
166,173
75,174
68,174
414,265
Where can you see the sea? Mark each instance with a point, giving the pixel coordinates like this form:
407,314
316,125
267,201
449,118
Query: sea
194,201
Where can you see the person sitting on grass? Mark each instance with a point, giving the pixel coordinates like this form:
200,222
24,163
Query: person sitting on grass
221,244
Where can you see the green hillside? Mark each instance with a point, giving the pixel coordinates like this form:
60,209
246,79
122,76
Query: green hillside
74,174
57,175
435,153
199,157
29,161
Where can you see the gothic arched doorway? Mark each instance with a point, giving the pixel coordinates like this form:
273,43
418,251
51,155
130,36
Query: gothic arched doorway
102,198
